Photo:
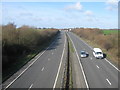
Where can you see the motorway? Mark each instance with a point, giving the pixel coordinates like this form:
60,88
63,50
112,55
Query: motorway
43,72
98,73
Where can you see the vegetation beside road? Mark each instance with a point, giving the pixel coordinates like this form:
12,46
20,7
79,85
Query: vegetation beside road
107,32
19,45
71,51
68,78
108,42
71,46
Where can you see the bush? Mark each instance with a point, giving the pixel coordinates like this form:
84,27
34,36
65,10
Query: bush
21,41
107,46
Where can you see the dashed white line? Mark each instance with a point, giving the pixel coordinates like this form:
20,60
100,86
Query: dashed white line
97,66
104,59
52,53
91,58
48,59
59,65
28,66
42,69
108,81
30,86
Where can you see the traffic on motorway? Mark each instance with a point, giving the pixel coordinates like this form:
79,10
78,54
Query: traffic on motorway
97,53
51,62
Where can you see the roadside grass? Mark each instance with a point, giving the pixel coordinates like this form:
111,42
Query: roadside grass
71,49
107,32
109,55
71,77
107,42
68,74
71,46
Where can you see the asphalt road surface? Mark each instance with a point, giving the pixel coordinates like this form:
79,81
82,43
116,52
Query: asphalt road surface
99,73
43,72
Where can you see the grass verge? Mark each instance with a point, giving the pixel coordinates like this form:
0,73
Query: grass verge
71,50
71,47
109,56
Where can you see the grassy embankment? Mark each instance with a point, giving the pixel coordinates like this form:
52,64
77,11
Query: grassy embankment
20,45
107,40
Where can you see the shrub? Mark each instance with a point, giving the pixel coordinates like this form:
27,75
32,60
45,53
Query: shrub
107,46
21,41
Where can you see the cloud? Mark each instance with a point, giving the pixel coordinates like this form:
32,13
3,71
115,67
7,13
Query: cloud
111,5
111,8
112,2
26,14
88,13
37,19
89,19
76,6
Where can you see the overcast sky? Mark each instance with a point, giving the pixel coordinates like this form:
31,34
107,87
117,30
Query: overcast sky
62,14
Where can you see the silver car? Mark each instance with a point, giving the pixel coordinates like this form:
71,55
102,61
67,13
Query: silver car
83,54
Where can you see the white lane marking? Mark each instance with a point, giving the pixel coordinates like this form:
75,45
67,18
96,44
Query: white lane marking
59,65
111,64
52,53
42,69
108,81
27,67
80,64
97,66
104,59
91,58
30,86
48,59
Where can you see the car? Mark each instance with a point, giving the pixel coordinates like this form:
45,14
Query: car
97,53
83,54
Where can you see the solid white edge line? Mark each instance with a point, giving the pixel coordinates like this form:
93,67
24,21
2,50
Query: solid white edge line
108,81
59,65
104,59
80,64
84,42
111,64
27,68
30,86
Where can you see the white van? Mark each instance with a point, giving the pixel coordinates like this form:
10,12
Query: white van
97,52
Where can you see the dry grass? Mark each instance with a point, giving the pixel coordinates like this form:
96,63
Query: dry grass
108,43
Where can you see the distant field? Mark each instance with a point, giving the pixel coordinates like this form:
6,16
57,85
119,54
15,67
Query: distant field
110,31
